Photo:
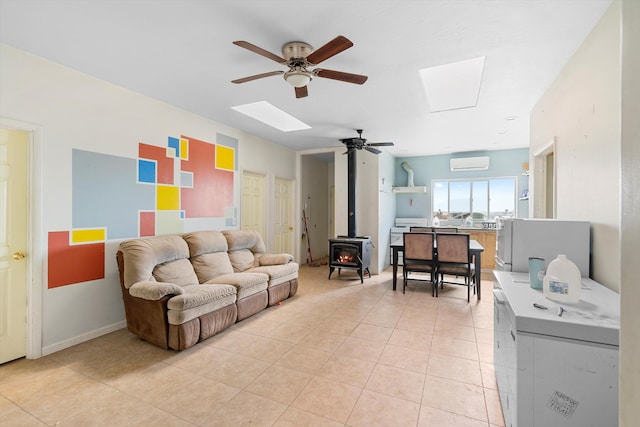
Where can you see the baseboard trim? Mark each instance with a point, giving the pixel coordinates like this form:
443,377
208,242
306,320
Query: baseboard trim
83,338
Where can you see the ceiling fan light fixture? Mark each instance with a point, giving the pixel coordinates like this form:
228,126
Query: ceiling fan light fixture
297,77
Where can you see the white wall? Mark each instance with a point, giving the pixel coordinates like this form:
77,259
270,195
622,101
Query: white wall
367,201
314,176
581,110
76,111
630,225
386,207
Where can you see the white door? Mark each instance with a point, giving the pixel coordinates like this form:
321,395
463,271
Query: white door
13,244
283,227
253,203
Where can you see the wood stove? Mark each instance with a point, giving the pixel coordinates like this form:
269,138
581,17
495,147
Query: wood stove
352,253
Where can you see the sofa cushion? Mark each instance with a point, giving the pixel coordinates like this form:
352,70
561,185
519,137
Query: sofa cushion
244,239
275,259
197,295
179,272
209,256
207,305
277,271
208,266
141,256
246,283
205,242
154,291
242,259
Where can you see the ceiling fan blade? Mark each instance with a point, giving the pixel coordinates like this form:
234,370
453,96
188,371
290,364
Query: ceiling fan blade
257,76
260,51
381,144
330,49
301,92
339,75
372,150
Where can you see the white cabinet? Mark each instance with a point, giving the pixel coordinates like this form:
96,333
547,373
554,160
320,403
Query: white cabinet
555,370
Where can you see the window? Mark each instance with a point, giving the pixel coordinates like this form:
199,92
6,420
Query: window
467,202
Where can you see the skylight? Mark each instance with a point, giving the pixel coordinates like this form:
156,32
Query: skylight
272,116
453,86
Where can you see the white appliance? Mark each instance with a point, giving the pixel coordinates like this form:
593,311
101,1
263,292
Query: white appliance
556,370
403,225
518,239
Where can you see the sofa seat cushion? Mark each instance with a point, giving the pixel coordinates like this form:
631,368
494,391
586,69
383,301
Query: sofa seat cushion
197,295
198,300
278,273
246,283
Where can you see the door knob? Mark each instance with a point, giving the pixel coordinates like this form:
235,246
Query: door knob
19,255
290,228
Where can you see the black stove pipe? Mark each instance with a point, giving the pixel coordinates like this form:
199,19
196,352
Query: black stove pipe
351,192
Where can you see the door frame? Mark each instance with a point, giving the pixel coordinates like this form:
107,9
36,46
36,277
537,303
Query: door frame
539,186
35,249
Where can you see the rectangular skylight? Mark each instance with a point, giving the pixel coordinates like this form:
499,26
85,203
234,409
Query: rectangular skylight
272,116
453,86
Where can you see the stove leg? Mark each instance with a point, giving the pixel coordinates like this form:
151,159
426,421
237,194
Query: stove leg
330,272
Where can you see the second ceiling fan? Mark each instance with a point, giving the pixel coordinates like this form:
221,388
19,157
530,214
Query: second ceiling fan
358,143
299,57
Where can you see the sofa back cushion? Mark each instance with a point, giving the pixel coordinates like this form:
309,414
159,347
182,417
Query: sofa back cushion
179,272
242,259
209,256
161,258
245,248
244,239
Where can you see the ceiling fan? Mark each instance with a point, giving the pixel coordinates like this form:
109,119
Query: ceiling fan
299,57
359,143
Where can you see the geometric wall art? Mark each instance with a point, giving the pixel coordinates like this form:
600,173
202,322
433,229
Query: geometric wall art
150,195
72,262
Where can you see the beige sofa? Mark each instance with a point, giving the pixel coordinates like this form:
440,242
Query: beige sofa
181,289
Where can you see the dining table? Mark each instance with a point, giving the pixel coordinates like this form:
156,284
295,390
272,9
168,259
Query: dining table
475,249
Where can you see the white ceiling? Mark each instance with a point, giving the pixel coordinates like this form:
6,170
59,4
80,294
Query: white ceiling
181,52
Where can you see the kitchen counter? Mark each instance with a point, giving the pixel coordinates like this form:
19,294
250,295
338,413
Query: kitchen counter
487,238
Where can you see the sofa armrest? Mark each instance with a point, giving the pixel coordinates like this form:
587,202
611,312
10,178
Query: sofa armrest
275,259
154,291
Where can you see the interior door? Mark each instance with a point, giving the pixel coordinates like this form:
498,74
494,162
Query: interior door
253,202
13,244
283,232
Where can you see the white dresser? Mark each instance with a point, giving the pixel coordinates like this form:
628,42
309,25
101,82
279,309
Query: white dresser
556,370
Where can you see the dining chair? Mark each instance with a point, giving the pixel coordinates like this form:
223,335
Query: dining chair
445,229
416,229
419,257
454,259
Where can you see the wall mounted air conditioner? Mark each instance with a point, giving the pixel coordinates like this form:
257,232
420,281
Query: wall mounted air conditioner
469,164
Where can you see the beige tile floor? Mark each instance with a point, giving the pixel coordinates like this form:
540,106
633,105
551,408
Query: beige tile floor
339,353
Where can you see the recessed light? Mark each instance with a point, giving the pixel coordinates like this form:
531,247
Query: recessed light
511,118
272,116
